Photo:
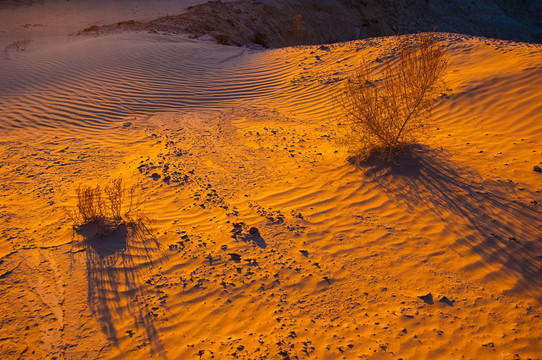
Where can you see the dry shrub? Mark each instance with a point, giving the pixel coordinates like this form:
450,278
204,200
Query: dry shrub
18,45
108,207
300,34
386,109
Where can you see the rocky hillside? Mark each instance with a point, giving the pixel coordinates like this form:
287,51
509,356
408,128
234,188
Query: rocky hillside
504,19
277,23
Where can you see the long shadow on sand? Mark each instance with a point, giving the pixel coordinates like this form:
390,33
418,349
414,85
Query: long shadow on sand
115,265
503,231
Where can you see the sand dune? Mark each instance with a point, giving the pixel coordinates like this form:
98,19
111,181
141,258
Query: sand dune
96,82
267,243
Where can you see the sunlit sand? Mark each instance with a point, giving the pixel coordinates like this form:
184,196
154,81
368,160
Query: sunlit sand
265,240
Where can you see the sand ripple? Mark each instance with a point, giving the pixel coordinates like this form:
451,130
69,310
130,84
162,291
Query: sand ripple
91,84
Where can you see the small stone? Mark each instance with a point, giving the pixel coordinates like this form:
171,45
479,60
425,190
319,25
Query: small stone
428,298
235,257
445,300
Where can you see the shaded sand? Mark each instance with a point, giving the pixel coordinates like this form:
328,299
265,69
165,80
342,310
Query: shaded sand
39,20
267,243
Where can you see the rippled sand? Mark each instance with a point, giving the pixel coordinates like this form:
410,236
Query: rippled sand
435,256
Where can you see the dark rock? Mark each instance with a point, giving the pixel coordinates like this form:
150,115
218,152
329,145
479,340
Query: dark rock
428,298
222,39
445,300
285,355
235,257
237,229
513,238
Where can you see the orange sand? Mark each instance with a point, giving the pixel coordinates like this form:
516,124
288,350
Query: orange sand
344,253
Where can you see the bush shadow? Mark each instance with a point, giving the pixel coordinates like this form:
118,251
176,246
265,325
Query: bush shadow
115,264
482,213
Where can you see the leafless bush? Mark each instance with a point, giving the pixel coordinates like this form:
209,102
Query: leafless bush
107,207
386,109
90,206
299,33
18,45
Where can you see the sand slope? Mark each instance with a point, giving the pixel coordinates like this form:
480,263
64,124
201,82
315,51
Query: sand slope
436,256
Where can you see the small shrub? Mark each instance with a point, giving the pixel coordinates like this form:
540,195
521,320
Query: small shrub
108,207
115,196
299,34
18,45
386,110
90,204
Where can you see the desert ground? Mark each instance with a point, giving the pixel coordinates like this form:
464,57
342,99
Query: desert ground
263,239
